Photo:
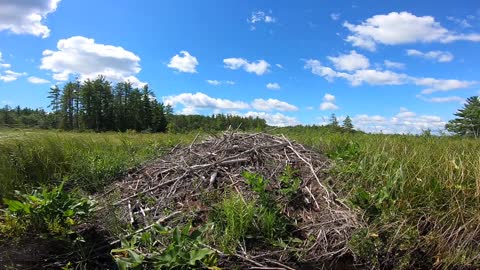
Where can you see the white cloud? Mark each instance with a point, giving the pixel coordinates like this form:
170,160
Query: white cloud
369,76
350,62
273,86
184,62
391,64
2,64
201,100
259,67
401,28
461,22
442,99
386,77
439,56
272,104
440,85
260,17
10,76
403,122
217,82
37,80
276,119
26,16
328,103
335,16
329,97
189,111
213,82
279,66
83,57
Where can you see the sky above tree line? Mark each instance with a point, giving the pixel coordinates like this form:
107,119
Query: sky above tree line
392,66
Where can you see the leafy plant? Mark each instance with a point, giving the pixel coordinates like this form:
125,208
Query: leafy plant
256,182
184,249
290,182
54,211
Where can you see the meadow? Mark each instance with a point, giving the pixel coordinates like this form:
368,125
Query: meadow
417,196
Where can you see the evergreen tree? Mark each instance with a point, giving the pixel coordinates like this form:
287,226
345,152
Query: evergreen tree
55,98
467,122
347,124
67,106
333,121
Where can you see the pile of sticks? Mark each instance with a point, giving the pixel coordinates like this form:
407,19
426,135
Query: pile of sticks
176,184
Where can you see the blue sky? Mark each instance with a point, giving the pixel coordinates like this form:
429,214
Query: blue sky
393,66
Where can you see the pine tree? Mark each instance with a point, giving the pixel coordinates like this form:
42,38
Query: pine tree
347,124
467,122
333,121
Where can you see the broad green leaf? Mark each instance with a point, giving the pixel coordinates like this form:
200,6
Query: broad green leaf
199,255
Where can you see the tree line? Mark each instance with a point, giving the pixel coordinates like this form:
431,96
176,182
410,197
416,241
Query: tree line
100,105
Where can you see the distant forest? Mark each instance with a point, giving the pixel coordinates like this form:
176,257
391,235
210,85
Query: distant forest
100,105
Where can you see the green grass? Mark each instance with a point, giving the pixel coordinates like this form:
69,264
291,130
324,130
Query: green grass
417,195
30,158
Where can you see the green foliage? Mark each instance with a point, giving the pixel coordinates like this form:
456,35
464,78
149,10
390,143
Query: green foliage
45,211
234,220
256,182
290,182
467,122
185,249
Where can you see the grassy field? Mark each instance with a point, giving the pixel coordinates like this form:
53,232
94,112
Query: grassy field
30,158
419,197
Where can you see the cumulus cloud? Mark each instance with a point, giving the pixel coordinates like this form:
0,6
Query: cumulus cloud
26,16
369,76
84,57
276,119
201,100
398,28
328,103
37,80
10,76
184,62
273,86
260,17
391,64
272,104
403,122
385,77
217,82
259,67
438,56
350,62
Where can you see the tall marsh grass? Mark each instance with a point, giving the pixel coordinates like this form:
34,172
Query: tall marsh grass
86,160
